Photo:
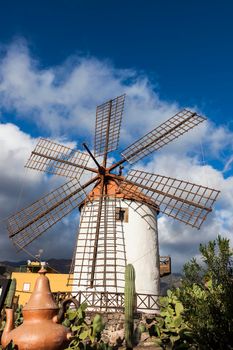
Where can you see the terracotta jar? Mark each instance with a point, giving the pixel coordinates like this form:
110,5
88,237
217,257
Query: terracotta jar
40,329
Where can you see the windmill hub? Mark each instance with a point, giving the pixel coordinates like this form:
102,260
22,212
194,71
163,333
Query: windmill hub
102,170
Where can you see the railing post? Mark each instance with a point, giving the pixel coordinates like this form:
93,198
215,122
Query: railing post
106,302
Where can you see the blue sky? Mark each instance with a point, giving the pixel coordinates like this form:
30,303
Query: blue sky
59,59
186,48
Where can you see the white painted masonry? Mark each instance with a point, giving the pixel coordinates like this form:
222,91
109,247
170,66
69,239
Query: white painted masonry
136,243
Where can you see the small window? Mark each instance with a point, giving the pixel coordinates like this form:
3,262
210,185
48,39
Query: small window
26,287
122,214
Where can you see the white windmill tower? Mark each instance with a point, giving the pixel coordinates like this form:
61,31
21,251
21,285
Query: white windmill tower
118,223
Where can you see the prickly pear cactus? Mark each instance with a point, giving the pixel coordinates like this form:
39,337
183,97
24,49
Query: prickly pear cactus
98,325
129,304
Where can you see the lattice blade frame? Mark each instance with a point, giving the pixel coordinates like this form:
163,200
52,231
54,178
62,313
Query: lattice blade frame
173,128
108,124
53,158
107,263
182,200
29,223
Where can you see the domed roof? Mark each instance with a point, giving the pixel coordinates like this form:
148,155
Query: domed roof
118,188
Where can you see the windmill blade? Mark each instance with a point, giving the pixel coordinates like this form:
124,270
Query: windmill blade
184,201
26,225
108,123
162,135
97,232
54,158
108,260
104,229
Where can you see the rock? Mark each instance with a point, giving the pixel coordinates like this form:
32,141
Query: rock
116,337
151,341
119,326
144,336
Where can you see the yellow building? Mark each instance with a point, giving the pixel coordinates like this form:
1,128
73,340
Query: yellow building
27,275
26,278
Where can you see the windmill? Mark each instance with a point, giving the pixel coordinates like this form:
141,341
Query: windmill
118,221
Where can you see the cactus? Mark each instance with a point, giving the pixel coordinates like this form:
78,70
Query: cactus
171,329
98,325
129,304
10,294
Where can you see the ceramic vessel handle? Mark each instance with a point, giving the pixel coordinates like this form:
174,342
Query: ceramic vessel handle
63,308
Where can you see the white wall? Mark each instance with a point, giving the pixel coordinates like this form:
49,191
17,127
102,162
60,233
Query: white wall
142,249
136,243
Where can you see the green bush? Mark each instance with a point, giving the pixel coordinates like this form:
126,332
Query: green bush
84,335
199,315
206,294
170,327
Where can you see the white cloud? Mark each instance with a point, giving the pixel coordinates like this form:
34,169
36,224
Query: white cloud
19,187
228,164
182,241
61,102
63,99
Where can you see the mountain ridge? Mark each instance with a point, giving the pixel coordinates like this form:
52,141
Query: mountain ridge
60,265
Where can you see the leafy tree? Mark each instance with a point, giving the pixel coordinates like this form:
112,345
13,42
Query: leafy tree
207,296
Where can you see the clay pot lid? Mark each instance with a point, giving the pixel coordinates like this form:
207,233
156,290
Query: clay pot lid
41,297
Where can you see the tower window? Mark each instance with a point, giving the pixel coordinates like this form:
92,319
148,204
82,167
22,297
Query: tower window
122,214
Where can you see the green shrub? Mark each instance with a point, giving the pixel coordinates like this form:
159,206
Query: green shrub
84,335
170,328
206,294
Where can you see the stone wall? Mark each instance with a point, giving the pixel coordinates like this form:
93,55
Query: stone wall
113,332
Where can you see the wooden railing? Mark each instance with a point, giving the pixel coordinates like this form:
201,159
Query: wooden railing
110,302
